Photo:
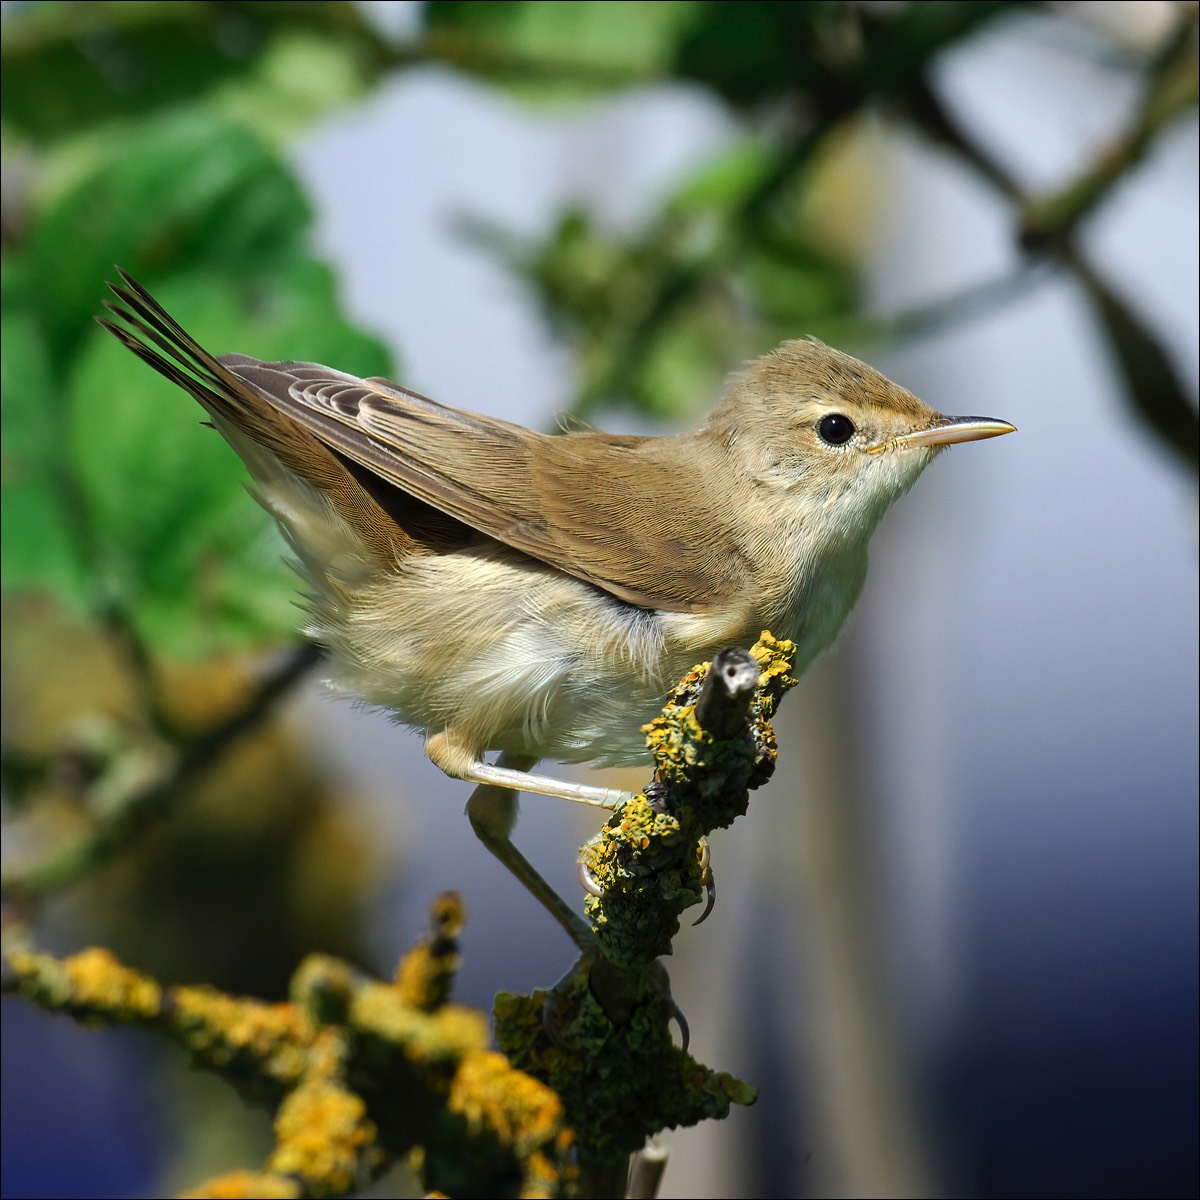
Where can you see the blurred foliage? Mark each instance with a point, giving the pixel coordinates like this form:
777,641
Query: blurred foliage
267,846
153,134
658,317
736,260
69,67
208,214
147,134
740,259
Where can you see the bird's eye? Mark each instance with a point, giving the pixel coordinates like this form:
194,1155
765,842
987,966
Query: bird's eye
835,429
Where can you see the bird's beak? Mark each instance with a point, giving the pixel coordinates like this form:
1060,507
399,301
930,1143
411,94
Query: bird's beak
944,431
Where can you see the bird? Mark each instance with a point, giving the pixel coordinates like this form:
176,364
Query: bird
503,589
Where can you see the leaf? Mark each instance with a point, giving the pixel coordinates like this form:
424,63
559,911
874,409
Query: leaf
26,375
558,50
68,66
834,55
796,288
751,50
682,369
727,180
303,75
39,552
38,549
188,553
113,490
181,190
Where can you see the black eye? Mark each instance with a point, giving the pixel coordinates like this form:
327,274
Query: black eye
835,429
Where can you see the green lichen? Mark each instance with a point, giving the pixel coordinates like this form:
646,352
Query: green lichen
619,1081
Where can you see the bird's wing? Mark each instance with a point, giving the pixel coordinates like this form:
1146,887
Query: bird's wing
629,515
602,508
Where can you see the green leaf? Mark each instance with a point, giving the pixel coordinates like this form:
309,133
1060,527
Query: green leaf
797,288
39,550
303,74
681,370
113,490
726,181
68,66
753,50
184,189
835,55
186,551
557,49
30,412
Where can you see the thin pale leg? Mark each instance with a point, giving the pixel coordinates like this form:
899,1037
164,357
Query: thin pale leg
517,780
492,810
455,754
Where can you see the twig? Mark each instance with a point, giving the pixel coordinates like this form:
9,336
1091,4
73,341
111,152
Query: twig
137,793
646,1172
360,1072
1049,225
601,1037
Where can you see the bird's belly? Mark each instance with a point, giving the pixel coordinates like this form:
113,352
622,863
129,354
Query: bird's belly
513,655
510,654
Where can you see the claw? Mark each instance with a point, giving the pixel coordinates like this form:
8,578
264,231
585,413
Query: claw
588,881
708,880
661,983
685,1034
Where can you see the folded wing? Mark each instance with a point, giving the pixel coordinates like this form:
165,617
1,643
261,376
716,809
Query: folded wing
589,504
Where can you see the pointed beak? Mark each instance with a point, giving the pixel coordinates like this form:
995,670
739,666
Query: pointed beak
944,431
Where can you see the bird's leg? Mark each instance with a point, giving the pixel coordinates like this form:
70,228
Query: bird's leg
455,754
517,779
492,810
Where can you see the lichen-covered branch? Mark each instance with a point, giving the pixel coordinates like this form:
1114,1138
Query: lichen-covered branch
360,1072
712,743
602,1037
363,1072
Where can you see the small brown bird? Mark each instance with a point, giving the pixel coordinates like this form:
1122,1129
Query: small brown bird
502,589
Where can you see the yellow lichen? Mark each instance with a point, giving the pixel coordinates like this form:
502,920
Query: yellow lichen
426,973
91,985
364,1072
325,1138
252,1185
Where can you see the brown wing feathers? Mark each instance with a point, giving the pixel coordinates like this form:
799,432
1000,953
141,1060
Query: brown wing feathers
391,523
416,475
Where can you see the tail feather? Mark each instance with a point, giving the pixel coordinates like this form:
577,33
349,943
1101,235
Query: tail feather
289,463
145,324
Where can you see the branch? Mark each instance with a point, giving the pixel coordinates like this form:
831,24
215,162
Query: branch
142,783
360,1072
1049,225
601,1037
1173,89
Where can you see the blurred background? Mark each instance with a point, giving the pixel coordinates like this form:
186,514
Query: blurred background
955,943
